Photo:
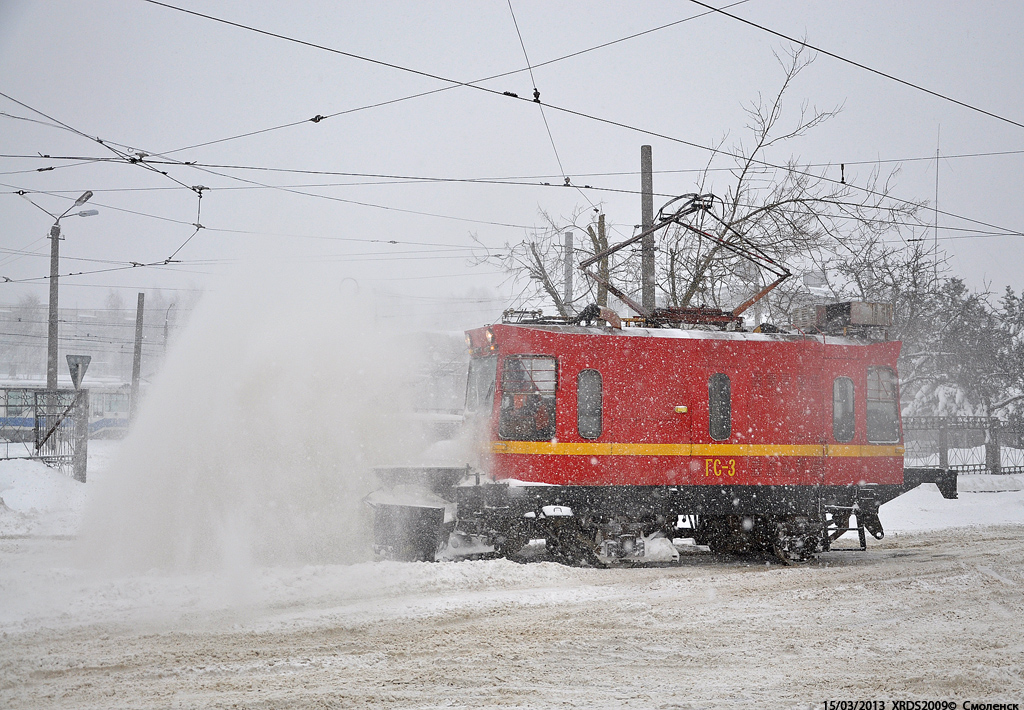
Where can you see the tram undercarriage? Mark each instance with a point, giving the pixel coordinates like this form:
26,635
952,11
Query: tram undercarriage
432,513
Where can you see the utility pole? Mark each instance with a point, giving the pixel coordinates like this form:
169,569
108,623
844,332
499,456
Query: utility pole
567,298
137,361
647,220
935,262
51,334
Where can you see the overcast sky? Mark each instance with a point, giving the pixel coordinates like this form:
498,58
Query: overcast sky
156,80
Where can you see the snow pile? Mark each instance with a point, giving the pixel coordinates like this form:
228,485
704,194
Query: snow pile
924,508
37,500
989,484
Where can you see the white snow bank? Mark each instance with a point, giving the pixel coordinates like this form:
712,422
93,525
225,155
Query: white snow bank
38,500
989,484
51,596
924,508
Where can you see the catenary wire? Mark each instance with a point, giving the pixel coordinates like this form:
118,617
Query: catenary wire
495,181
536,91
562,109
135,160
858,64
77,132
243,231
497,224
131,159
318,117
362,203
410,179
540,106
977,233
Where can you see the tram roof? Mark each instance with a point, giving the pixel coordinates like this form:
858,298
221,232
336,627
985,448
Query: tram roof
693,334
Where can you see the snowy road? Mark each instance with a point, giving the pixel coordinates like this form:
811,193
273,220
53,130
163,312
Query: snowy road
936,615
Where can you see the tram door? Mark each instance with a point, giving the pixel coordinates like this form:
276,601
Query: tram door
654,410
785,413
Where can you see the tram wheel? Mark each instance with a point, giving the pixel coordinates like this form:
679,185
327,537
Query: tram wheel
796,540
568,545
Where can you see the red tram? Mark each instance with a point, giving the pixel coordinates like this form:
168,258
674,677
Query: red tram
598,437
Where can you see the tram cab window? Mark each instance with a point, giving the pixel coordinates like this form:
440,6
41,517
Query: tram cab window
118,402
883,406
480,385
843,422
589,401
18,402
719,407
528,384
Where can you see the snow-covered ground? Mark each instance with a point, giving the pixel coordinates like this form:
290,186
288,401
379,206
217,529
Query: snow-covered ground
934,611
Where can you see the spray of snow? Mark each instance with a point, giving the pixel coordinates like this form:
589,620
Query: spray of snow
254,445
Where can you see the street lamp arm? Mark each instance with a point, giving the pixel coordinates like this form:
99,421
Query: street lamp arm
35,205
85,197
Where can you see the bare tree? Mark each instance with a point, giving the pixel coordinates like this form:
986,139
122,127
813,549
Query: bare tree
796,214
535,263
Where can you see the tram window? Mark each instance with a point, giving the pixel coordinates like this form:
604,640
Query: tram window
589,398
719,407
18,402
528,384
480,386
119,402
843,423
883,406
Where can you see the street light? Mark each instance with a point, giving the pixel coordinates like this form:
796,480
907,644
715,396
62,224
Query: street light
51,337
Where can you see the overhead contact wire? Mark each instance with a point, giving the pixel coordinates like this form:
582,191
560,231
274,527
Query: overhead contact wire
572,112
318,117
198,224
125,156
859,65
536,99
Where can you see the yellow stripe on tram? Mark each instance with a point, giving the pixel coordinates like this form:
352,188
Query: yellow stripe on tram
558,448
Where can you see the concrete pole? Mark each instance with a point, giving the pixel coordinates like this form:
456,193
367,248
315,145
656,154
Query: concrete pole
51,336
137,361
647,219
567,298
602,265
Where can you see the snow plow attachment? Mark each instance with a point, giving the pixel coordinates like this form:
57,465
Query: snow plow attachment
414,511
945,479
408,533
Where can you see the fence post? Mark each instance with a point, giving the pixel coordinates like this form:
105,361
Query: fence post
943,445
993,458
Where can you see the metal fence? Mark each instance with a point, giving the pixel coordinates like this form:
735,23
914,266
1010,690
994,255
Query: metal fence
51,426
968,445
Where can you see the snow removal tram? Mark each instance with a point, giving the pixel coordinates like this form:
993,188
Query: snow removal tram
601,434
